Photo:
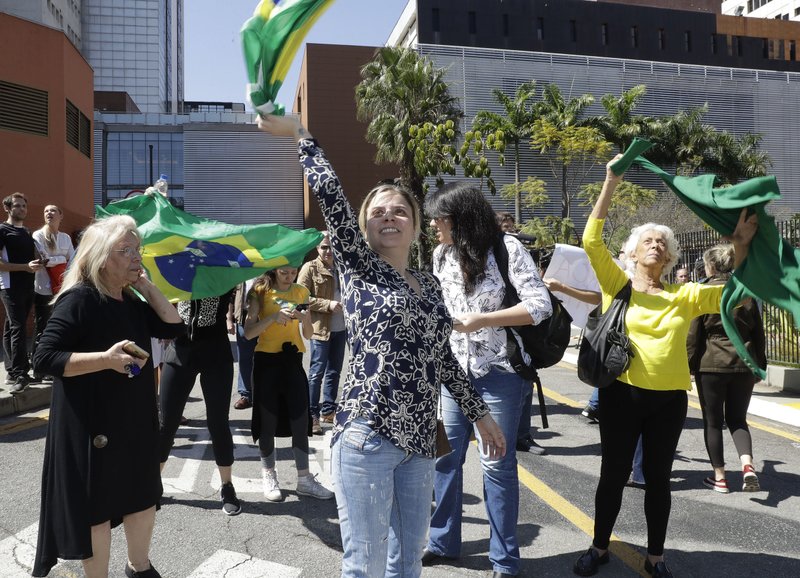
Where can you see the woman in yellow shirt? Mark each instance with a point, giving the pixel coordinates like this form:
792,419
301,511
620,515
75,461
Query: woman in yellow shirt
277,312
649,399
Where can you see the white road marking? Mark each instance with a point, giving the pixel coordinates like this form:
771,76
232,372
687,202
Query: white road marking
192,460
236,565
17,553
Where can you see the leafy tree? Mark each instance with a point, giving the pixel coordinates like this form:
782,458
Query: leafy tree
619,125
511,129
550,230
399,89
572,152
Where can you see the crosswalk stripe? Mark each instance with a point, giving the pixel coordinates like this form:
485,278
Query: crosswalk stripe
236,565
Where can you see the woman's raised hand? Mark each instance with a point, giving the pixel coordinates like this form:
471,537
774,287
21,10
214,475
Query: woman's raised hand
281,125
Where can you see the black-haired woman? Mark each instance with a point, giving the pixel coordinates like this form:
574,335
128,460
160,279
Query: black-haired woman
473,288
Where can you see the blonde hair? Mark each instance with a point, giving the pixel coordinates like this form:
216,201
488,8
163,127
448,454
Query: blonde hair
720,259
96,243
50,239
673,249
407,195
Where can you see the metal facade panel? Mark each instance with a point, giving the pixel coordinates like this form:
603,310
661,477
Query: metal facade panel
740,101
97,170
263,171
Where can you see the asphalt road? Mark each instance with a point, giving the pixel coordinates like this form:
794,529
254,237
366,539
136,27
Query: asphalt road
710,534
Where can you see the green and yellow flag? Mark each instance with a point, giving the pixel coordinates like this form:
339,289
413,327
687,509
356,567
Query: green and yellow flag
189,257
270,40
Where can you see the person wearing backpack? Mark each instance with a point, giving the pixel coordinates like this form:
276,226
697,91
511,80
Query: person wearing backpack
474,290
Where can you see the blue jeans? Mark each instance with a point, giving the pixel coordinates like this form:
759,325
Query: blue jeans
594,401
383,495
524,429
324,370
502,391
246,348
638,474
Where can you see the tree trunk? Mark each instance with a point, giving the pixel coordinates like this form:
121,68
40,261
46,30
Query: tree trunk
518,193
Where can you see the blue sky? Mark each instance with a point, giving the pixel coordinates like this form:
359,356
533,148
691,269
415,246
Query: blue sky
214,67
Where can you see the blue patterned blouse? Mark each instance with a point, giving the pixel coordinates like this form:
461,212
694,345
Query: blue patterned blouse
399,341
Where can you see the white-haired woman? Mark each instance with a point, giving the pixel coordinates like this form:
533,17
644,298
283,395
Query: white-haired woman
101,463
649,398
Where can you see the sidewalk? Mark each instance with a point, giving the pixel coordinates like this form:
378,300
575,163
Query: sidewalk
35,396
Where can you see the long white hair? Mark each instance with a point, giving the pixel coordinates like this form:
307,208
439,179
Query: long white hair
95,245
629,248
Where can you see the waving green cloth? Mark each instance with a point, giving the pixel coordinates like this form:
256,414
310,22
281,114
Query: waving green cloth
771,271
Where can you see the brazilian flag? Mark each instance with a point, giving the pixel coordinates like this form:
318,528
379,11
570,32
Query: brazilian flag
270,40
188,257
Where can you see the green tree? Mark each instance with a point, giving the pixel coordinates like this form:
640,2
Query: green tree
512,128
619,125
572,147
399,89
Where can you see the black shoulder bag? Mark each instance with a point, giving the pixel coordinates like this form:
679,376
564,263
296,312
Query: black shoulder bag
606,350
544,343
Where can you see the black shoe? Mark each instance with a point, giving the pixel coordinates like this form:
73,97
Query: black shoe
149,573
587,564
497,574
657,570
20,385
590,413
230,503
430,558
631,483
527,444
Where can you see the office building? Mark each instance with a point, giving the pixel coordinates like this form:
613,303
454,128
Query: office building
746,70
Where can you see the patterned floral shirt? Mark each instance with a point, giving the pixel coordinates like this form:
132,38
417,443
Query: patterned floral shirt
478,351
399,349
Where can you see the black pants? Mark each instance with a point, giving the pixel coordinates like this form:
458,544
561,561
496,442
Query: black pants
728,395
280,394
183,361
625,412
41,315
17,302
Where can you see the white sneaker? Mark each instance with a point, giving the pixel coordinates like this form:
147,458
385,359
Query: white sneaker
309,486
272,491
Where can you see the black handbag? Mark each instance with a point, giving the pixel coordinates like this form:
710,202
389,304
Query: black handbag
606,349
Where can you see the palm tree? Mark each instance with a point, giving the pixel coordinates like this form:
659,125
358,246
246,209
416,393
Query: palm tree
514,126
619,125
560,131
399,89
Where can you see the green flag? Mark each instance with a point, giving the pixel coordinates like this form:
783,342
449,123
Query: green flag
270,40
771,271
189,257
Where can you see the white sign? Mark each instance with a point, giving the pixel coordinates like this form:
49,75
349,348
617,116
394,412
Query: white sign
570,265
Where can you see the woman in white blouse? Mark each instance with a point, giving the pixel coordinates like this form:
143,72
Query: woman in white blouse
473,288
56,250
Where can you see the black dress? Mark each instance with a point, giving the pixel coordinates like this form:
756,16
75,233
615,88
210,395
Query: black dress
101,456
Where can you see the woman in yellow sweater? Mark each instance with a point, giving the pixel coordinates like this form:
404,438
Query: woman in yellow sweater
649,399
277,311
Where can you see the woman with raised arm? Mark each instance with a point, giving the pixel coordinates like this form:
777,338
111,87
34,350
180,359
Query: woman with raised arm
649,398
398,327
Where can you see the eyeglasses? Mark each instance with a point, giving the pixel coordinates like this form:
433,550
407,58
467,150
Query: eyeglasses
286,271
131,252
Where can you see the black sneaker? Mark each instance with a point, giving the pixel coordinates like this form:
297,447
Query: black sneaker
149,573
590,413
20,384
588,563
230,503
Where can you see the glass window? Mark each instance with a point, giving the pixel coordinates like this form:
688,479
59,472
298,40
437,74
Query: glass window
125,161
472,22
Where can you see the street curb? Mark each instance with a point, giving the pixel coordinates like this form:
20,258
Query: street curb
36,395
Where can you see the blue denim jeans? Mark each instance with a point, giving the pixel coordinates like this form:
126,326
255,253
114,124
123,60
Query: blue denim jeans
324,370
383,495
502,391
246,348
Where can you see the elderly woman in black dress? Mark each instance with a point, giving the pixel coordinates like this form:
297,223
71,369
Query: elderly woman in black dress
101,463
